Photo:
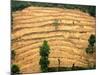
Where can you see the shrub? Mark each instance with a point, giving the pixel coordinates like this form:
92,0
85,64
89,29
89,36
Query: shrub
89,49
91,46
92,40
14,69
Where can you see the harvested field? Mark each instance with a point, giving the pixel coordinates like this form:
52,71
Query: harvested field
33,25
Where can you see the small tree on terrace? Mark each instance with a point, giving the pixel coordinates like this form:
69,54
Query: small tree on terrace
14,69
44,49
44,53
91,45
91,49
92,40
44,62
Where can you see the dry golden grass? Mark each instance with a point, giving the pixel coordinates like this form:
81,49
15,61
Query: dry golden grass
33,25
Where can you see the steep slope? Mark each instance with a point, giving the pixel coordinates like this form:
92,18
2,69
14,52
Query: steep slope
33,25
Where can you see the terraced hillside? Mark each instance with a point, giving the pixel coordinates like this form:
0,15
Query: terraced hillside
33,25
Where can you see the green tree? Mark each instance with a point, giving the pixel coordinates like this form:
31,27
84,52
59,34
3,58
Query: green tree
91,45
44,53
14,69
44,62
92,40
44,49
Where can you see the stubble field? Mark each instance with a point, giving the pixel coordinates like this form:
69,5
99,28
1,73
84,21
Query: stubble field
33,25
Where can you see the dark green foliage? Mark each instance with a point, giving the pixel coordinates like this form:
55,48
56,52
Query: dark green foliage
92,40
44,49
91,47
13,54
44,61
44,53
19,5
14,69
92,11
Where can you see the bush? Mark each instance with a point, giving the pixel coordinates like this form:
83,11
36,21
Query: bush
89,50
14,69
91,46
92,40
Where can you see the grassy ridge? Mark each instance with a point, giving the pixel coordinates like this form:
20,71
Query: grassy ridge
19,5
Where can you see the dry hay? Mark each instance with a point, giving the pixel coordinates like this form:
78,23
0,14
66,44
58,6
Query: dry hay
33,25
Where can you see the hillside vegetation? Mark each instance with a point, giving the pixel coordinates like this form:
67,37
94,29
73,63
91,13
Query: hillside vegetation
66,30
